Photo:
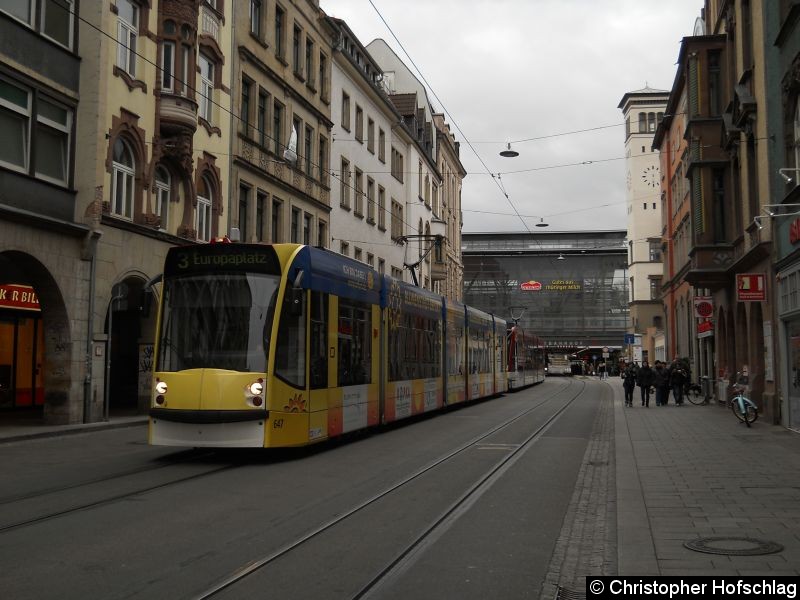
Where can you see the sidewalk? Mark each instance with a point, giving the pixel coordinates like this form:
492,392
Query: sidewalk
13,429
694,473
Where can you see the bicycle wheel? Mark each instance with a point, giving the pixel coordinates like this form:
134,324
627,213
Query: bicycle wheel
737,410
695,395
750,413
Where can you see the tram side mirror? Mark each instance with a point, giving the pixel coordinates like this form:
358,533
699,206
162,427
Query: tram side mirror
148,295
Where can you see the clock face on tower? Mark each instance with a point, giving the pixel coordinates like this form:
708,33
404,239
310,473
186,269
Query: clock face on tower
650,176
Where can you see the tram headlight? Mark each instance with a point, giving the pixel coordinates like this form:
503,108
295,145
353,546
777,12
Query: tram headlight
161,387
256,388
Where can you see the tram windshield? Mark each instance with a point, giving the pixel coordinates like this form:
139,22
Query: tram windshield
217,320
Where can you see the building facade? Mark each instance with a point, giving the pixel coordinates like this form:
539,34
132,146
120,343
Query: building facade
281,131
569,288
782,37
369,148
151,137
451,282
721,71
422,202
46,249
643,110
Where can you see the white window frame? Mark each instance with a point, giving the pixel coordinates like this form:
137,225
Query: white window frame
183,85
206,87
203,218
127,175
65,129
26,114
255,18
168,66
126,39
31,14
163,190
71,10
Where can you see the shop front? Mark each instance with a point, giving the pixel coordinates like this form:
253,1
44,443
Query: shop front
21,348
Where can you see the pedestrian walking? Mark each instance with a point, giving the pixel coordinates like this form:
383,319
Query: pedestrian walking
603,371
677,379
644,379
661,383
629,383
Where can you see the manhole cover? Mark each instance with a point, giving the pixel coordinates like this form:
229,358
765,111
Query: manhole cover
735,546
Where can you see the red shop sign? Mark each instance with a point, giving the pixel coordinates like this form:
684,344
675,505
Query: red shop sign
751,287
21,297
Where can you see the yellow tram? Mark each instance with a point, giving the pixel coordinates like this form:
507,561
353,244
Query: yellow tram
289,345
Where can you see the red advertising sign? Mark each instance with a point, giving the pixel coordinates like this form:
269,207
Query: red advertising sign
705,329
531,286
703,307
21,297
751,287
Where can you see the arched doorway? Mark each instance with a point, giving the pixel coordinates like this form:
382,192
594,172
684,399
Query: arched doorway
124,371
36,361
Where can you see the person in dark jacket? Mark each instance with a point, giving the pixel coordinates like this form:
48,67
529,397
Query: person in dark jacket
644,380
677,379
661,383
629,383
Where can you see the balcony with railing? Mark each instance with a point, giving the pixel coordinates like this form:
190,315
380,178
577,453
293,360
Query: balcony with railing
209,23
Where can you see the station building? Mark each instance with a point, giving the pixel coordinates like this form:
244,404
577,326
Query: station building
569,288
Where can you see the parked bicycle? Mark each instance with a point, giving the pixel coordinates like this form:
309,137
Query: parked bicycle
744,408
694,393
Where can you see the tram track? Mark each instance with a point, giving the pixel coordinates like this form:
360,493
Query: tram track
112,499
185,456
405,557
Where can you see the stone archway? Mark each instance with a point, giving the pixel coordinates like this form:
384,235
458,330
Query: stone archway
60,379
126,324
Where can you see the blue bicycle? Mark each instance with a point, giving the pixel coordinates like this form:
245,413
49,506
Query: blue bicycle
744,408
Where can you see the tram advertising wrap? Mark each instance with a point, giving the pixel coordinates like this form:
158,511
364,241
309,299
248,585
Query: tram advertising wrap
288,345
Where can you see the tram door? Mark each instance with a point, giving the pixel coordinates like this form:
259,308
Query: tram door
21,356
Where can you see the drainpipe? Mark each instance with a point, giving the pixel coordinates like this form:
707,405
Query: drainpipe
90,253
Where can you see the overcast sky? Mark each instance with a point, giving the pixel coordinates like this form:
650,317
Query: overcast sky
509,70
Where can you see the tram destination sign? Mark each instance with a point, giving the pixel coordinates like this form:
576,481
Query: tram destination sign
221,257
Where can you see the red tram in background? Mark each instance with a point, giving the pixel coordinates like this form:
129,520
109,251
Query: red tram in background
526,358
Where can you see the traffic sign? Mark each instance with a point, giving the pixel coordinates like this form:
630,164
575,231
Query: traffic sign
630,338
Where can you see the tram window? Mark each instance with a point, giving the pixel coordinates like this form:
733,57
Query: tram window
355,349
216,321
455,350
290,354
319,340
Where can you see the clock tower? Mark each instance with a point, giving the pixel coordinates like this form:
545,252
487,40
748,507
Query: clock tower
643,111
